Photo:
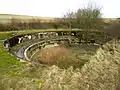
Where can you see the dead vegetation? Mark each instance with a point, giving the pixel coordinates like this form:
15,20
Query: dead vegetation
101,72
52,55
64,57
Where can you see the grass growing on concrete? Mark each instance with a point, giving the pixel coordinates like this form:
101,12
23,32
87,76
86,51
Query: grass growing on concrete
101,72
8,34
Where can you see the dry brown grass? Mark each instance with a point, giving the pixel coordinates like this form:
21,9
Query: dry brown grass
52,55
102,72
64,57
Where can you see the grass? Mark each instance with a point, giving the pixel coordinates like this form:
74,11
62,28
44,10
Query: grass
5,35
8,34
5,18
9,16
101,72
6,60
64,57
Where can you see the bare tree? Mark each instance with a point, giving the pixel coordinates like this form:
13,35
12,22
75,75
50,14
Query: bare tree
85,18
89,18
68,18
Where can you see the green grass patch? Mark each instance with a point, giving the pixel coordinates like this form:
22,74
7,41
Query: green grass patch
101,72
7,60
8,34
5,35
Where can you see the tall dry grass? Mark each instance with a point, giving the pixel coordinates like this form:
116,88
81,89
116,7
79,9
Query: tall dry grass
102,72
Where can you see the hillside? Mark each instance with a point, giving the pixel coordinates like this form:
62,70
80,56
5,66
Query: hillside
6,17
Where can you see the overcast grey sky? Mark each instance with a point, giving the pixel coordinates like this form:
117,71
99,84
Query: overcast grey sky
56,8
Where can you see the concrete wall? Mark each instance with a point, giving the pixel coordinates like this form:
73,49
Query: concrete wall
47,35
59,37
31,50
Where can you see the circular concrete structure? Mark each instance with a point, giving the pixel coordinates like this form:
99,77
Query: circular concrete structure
36,42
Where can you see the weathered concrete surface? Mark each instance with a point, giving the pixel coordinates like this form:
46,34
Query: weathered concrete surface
20,52
43,36
51,45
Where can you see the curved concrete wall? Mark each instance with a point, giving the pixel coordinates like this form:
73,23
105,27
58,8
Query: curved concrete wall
47,35
32,49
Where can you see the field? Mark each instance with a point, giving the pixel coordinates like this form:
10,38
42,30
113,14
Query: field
83,68
100,71
6,17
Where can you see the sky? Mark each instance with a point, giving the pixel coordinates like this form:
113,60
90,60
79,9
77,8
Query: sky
57,8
